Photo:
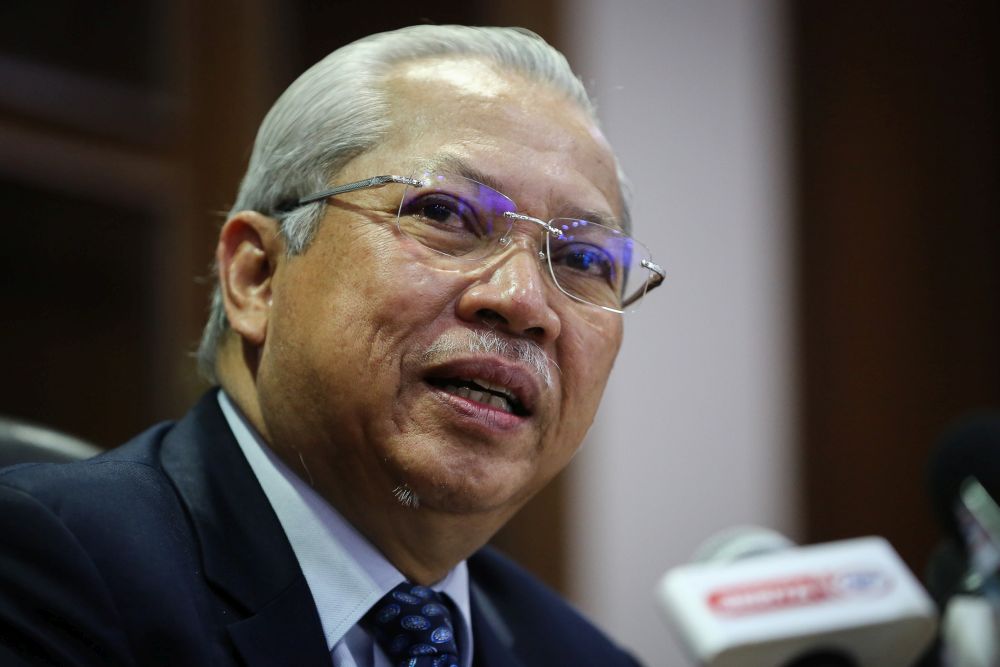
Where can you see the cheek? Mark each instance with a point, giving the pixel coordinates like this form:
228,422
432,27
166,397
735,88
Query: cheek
380,300
397,272
360,283
587,353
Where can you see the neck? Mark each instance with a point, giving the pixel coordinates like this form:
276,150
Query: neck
424,543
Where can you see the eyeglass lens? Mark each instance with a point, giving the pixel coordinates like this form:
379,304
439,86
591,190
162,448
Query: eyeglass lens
463,218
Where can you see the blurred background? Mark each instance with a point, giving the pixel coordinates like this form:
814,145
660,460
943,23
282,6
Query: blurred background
819,179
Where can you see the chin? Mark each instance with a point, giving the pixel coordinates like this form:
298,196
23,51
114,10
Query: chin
467,489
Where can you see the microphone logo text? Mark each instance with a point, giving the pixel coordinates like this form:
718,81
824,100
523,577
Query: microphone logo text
798,591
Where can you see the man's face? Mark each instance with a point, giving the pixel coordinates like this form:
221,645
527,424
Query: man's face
349,380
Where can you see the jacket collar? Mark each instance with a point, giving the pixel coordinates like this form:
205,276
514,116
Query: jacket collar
244,551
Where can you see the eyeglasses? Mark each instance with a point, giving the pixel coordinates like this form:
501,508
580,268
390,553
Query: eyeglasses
462,218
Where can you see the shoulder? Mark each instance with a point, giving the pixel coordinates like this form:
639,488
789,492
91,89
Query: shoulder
100,563
543,627
111,486
119,508
72,534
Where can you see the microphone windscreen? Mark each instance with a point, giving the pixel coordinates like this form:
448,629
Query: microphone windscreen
969,448
946,569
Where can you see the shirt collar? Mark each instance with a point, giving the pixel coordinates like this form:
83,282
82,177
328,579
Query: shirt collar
346,574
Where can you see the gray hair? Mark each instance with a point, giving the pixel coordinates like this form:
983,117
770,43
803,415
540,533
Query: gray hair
337,110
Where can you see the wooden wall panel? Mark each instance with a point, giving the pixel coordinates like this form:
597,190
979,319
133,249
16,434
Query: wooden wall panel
899,252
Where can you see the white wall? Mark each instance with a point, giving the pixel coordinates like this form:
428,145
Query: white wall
696,429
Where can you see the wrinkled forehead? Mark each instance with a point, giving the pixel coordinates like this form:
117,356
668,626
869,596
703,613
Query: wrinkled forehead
522,137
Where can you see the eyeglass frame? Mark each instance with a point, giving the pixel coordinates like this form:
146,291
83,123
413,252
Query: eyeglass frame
654,280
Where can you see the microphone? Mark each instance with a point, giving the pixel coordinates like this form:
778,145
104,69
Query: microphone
970,448
757,600
963,480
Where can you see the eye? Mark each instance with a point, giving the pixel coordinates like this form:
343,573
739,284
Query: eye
444,212
438,212
585,259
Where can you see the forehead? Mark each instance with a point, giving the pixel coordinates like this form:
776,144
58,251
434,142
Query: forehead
524,137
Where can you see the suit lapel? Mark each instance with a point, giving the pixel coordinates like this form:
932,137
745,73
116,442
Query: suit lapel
284,632
493,642
244,549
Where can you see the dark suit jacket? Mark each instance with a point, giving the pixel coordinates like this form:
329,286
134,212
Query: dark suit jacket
165,551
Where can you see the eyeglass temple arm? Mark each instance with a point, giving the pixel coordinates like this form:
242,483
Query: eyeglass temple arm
373,182
655,279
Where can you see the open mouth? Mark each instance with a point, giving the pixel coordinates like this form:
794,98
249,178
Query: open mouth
481,391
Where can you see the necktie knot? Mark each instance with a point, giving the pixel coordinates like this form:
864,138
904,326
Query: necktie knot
413,626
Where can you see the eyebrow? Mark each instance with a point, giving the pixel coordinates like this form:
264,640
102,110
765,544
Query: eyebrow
456,165
591,215
459,167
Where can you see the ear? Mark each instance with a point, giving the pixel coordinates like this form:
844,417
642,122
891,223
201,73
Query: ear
249,251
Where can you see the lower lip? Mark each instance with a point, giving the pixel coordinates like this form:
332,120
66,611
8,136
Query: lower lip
480,413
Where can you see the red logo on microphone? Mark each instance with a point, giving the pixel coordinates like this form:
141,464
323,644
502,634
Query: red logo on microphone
804,590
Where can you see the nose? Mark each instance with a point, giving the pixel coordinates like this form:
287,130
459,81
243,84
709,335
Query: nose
512,293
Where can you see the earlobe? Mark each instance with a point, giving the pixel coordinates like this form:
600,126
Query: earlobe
247,256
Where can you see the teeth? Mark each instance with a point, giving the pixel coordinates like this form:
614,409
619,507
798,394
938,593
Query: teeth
498,403
493,387
480,396
462,392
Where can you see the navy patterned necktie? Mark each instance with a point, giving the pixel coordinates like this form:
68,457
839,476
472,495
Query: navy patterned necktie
413,626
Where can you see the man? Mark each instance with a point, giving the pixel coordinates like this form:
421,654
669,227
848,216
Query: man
418,305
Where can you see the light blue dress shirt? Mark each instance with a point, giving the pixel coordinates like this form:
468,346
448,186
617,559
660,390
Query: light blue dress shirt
346,574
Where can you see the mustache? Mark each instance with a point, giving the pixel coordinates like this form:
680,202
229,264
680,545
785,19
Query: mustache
525,352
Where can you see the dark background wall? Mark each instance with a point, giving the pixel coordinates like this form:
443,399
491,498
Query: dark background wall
898,223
